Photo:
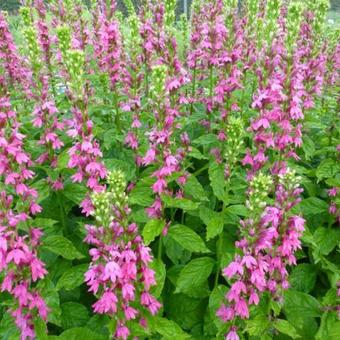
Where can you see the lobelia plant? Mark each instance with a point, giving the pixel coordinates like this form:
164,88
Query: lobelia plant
169,176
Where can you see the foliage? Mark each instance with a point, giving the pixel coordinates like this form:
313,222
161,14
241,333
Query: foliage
164,178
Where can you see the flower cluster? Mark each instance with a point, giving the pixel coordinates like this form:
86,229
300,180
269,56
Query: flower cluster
19,261
269,241
119,274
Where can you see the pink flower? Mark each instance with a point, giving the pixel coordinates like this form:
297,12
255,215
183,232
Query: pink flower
225,313
122,332
232,269
106,304
232,335
159,186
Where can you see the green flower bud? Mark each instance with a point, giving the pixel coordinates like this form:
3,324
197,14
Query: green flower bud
272,12
170,16
235,132
294,18
64,37
260,187
129,7
158,76
75,65
33,48
26,16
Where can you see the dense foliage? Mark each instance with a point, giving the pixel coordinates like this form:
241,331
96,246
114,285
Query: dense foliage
170,179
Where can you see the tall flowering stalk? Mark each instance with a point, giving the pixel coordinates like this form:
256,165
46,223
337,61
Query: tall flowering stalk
45,114
19,240
270,237
12,67
85,154
119,273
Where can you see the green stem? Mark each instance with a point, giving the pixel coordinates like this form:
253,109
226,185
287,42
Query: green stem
62,211
160,247
197,172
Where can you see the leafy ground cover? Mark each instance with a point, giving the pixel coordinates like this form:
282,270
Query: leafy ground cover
170,179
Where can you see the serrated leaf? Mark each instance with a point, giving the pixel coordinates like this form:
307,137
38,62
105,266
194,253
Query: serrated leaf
329,327
160,273
194,188
313,206
141,194
194,274
80,333
327,169
213,220
300,305
184,310
40,329
187,238
167,328
258,326
237,209
152,229
303,277
308,146
73,315
74,192
206,139
326,239
217,180
73,277
179,203
195,153
62,246
285,327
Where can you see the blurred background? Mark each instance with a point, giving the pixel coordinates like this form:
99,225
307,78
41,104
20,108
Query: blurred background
183,5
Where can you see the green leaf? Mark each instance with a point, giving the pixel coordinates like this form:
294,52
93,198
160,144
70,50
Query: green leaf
160,273
194,274
195,153
300,305
50,294
326,239
187,238
184,310
63,160
313,206
329,327
40,329
206,139
180,203
327,169
237,209
216,299
167,328
258,326
194,188
73,277
8,329
152,229
141,194
74,192
213,220
73,315
80,333
303,277
98,324
217,180
285,327
62,246
308,146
